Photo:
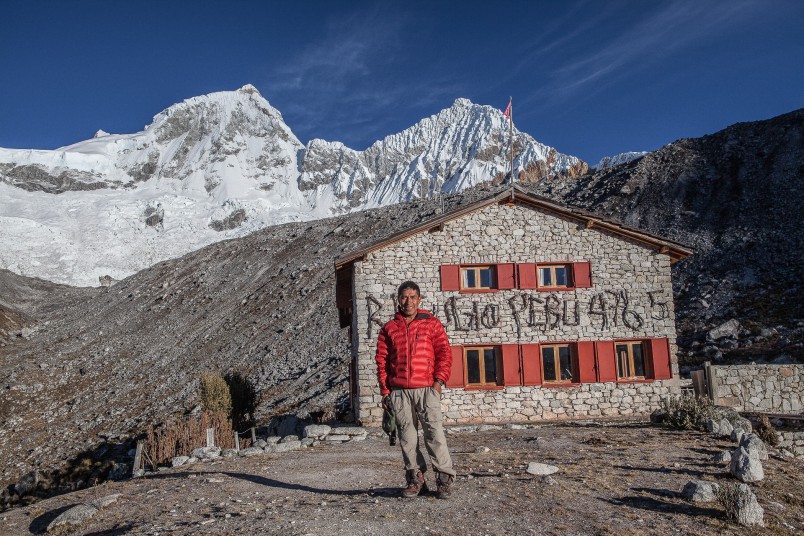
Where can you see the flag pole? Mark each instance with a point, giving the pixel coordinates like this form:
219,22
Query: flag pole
511,136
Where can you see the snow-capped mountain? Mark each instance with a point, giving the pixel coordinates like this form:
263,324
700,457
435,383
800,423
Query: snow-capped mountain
223,165
611,161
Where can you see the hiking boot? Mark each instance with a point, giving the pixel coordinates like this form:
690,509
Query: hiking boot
444,485
416,483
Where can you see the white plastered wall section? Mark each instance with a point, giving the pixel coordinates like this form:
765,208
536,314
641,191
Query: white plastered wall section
631,297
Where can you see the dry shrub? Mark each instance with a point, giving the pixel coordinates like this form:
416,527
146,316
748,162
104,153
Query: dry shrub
687,412
244,400
180,436
766,431
214,393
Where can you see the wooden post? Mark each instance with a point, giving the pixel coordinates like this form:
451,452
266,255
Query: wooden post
253,436
137,458
237,441
210,437
699,383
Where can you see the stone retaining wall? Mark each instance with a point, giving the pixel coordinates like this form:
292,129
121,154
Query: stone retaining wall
763,388
792,441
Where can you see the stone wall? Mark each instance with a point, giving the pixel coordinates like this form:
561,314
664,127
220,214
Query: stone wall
766,388
631,297
792,441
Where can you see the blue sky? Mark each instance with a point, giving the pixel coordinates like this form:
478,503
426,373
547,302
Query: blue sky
591,78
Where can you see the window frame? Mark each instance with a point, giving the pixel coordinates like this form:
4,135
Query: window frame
573,348
483,384
646,360
477,268
568,267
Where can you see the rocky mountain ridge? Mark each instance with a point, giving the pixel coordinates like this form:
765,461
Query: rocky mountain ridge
221,166
98,364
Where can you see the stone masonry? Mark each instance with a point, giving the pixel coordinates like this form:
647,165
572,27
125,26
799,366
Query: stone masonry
765,388
631,298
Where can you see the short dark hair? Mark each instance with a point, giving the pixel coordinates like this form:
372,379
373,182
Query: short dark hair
408,285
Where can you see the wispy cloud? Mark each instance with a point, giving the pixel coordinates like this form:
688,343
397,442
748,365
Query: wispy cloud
351,75
675,26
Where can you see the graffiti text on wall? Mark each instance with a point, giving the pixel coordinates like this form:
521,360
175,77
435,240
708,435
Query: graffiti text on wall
605,310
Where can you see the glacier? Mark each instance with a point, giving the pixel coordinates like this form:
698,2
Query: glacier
224,165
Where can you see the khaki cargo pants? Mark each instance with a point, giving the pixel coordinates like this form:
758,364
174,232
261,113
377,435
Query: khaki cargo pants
414,406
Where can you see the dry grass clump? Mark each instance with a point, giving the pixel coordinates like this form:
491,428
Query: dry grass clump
214,393
687,412
180,436
766,431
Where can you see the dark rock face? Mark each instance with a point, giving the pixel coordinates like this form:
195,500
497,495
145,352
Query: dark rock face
33,178
735,197
118,358
232,221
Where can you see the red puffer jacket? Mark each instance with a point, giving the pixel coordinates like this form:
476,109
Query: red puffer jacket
412,355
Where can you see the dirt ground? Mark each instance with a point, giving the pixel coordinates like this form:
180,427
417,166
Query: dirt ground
613,479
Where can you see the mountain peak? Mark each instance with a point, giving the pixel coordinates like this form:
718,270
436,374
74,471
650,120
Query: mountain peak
249,89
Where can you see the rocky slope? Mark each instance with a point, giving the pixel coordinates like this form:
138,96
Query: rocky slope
222,166
104,362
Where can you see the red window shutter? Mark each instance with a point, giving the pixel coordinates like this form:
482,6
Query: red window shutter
606,361
586,362
582,274
450,277
510,355
456,376
660,350
527,276
505,276
531,364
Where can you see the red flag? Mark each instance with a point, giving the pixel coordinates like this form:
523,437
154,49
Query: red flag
507,112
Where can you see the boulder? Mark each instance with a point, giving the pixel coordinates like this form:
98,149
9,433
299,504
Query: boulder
260,443
536,468
308,442
251,451
316,431
349,430
755,446
206,453
749,512
228,453
27,484
745,467
178,461
730,328
272,440
289,438
74,516
287,445
700,491
724,456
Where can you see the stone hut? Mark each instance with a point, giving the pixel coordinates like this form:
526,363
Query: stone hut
551,312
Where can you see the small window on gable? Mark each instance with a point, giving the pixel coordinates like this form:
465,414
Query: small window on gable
482,365
559,363
478,277
555,275
631,362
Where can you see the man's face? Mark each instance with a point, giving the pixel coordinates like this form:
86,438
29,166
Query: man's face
409,301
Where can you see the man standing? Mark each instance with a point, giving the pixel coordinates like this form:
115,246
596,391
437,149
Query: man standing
413,365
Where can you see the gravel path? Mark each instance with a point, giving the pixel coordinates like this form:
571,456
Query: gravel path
612,479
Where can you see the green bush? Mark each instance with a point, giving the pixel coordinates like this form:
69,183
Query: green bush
214,393
687,412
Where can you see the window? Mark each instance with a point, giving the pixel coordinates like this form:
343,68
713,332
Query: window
477,277
558,363
630,360
555,275
482,365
